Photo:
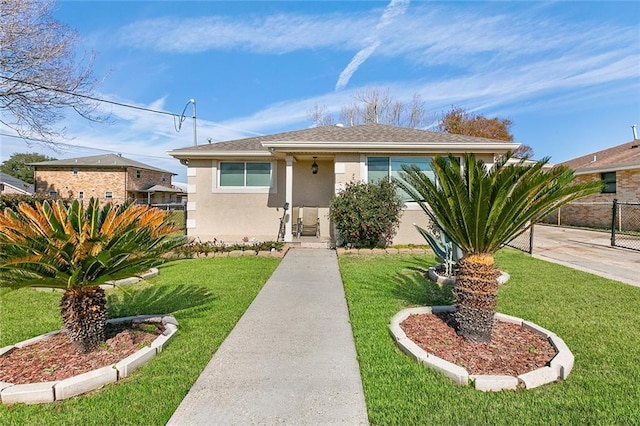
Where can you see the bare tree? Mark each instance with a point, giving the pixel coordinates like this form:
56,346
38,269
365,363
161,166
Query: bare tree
39,75
374,106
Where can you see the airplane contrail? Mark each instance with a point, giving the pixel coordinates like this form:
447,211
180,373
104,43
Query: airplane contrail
393,9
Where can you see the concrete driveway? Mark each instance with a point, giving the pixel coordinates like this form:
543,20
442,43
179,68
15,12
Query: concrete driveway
588,251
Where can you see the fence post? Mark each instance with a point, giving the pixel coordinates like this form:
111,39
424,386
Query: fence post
531,240
614,213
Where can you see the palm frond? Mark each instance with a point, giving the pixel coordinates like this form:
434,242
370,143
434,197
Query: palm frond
482,208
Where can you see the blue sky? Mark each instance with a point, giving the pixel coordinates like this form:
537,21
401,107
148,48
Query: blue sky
566,73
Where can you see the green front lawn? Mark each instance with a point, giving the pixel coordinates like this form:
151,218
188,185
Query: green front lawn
207,297
599,319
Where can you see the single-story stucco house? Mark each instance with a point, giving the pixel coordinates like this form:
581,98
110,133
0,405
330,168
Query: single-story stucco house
237,189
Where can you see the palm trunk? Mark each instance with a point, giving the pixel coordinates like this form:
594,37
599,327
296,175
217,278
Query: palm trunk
84,315
476,292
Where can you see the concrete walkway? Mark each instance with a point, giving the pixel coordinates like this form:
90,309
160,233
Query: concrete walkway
588,251
289,360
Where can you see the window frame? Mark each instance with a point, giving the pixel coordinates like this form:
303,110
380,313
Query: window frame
606,189
270,188
80,195
411,205
108,195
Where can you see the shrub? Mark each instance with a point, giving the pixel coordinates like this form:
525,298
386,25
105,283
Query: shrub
367,214
12,201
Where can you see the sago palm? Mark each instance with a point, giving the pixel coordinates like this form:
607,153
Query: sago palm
76,249
482,208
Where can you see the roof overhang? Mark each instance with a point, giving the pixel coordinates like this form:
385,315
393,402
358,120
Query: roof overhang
301,147
604,169
392,147
186,154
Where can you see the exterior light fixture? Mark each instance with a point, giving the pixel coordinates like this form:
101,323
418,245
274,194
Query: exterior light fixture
314,166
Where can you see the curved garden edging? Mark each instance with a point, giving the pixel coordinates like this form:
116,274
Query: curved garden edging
44,392
559,367
433,275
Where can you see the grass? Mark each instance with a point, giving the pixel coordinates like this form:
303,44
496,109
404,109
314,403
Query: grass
596,317
207,297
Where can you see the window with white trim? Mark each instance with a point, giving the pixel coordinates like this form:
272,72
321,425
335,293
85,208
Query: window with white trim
390,167
108,194
239,174
80,194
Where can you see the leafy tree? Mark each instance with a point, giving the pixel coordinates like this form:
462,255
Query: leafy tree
373,106
18,165
367,214
459,121
481,209
76,249
40,75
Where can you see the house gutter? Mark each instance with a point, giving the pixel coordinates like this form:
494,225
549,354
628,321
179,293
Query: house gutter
604,169
403,147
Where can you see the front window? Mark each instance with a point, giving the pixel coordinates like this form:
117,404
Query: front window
108,194
609,180
138,174
390,167
80,194
244,174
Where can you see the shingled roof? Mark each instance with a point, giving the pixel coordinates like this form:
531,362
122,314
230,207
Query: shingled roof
16,183
620,157
99,161
374,133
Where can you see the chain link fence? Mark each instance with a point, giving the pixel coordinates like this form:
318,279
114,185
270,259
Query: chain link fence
625,225
523,242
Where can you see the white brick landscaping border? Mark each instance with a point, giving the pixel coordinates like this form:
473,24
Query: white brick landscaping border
444,280
558,369
38,393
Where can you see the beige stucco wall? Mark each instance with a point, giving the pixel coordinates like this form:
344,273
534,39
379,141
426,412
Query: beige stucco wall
94,182
230,216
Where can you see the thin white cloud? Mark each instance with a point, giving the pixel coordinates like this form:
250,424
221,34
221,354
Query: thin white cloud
393,9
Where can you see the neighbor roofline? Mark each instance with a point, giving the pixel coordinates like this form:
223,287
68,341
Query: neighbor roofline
604,169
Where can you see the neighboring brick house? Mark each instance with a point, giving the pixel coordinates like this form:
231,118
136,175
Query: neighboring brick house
13,185
109,177
619,169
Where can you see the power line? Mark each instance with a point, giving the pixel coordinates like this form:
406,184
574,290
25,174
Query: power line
53,89
93,98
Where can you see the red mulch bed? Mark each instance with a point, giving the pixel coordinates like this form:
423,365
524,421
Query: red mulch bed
55,358
513,349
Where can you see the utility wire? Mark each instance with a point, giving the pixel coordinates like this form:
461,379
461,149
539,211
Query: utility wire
40,86
181,117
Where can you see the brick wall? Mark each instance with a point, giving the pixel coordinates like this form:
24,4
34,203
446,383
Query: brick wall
596,211
96,182
147,179
93,182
